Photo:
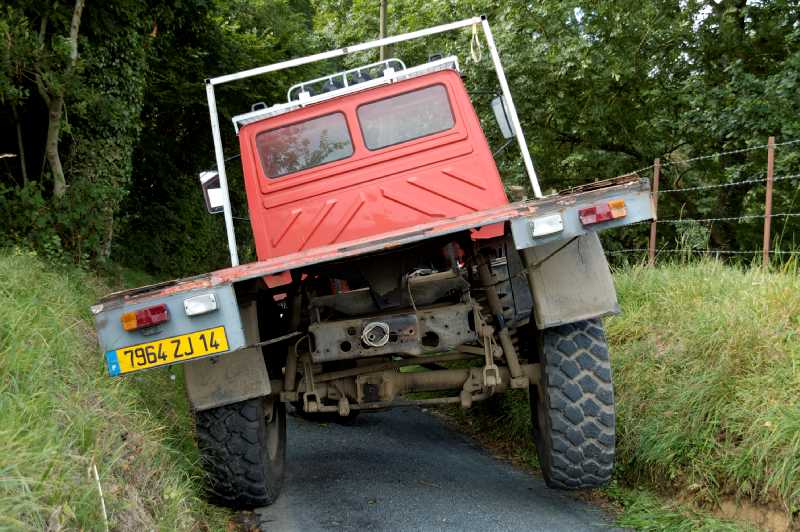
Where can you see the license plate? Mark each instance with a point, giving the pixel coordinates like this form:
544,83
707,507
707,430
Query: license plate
167,351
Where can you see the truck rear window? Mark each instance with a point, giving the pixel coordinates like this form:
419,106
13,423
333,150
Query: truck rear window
304,145
405,117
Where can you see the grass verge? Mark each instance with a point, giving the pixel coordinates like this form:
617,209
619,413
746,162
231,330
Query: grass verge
61,416
706,363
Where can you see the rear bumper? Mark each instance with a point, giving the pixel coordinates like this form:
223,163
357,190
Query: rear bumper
114,339
638,204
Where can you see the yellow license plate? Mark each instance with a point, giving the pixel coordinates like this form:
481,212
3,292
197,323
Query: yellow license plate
167,351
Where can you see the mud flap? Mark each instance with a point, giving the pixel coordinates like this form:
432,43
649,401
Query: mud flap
232,377
570,281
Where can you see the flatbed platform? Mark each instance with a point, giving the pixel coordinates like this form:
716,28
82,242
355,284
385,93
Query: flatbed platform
506,213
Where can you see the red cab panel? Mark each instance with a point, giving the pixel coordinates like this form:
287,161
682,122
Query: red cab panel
366,163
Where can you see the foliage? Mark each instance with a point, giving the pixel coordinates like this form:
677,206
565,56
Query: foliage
135,124
165,227
99,126
602,88
60,415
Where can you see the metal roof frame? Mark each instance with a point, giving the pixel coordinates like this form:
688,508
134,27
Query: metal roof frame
474,22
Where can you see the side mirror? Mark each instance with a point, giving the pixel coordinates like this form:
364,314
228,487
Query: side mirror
501,115
215,200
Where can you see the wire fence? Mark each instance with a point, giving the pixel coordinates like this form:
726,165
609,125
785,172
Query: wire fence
766,178
674,162
729,184
702,251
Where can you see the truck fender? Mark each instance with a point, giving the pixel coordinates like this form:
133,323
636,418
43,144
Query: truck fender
231,377
570,281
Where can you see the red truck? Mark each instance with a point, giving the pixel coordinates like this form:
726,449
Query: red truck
385,241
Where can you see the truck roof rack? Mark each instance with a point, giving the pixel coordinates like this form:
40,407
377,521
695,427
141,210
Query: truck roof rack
305,98
343,79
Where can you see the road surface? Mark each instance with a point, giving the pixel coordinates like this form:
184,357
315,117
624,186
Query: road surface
405,470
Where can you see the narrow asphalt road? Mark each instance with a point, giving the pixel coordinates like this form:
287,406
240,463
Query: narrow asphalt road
405,470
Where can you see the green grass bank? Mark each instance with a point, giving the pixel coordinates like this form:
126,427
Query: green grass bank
61,416
706,362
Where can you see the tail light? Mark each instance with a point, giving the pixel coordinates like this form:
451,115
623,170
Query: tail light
147,317
603,212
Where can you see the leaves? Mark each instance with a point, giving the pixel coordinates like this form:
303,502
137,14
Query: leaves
602,88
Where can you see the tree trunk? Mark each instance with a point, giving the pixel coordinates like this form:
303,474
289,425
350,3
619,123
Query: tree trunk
55,109
54,98
105,248
21,147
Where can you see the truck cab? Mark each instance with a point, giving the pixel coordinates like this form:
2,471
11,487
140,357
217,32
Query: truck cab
367,160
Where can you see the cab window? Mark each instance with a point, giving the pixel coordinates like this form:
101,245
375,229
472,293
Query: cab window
405,117
289,149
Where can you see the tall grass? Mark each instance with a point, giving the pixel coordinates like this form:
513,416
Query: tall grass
707,375
60,416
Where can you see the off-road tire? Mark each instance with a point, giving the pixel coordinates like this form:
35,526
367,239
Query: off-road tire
243,454
573,409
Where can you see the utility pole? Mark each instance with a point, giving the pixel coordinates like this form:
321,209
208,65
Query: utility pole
383,28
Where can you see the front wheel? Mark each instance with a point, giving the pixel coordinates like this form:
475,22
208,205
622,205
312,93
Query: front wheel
243,452
572,408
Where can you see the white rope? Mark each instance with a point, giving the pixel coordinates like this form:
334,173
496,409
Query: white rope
93,469
475,45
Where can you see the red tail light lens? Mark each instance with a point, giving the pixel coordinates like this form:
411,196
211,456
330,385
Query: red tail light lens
603,212
147,317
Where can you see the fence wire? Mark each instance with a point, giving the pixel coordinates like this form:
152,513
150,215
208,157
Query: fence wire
757,179
673,162
730,152
702,251
742,218
730,184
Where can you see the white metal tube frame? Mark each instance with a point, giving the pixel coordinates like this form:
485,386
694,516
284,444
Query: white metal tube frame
212,105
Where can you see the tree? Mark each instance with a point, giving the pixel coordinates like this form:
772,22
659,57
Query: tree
53,82
87,68
197,41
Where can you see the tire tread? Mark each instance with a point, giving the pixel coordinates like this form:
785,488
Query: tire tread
577,382
232,443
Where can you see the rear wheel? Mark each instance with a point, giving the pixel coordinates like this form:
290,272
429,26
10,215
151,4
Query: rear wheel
572,409
243,452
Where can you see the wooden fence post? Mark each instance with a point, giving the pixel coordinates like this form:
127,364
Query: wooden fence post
768,200
651,248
